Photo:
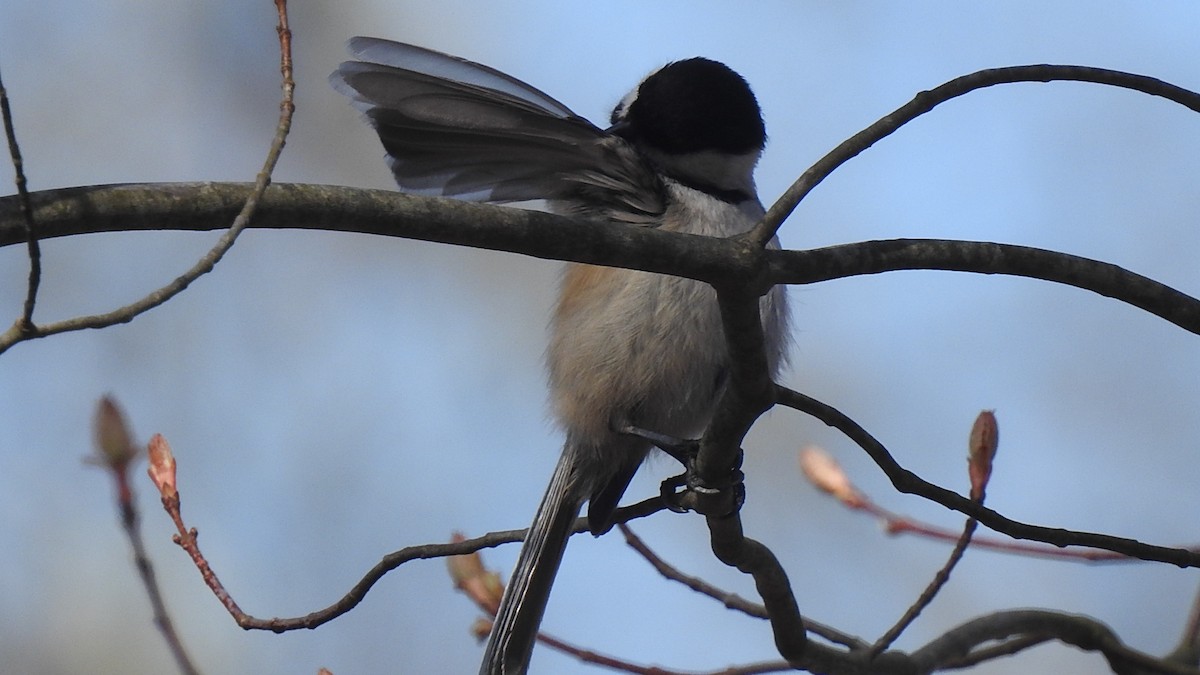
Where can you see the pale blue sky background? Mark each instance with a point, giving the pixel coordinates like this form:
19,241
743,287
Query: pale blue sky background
334,397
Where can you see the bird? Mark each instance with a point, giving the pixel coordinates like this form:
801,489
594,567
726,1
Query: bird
631,355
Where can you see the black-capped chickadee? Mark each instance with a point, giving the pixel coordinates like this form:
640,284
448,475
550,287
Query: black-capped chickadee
628,349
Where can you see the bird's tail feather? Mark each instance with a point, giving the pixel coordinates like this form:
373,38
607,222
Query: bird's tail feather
515,629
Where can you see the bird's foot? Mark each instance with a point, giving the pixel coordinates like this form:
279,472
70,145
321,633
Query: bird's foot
686,492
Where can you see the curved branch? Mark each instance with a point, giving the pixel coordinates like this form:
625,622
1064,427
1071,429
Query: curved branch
909,483
1083,632
928,100
420,552
25,329
734,548
873,257
729,599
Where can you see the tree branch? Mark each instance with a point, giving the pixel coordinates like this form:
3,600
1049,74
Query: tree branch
25,329
210,206
909,483
874,257
25,323
1081,631
928,100
395,559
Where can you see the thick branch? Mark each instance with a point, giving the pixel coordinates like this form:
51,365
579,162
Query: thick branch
734,548
211,206
873,257
1081,631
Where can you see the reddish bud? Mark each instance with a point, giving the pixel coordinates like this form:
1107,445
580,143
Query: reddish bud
162,467
981,450
481,628
471,577
823,471
114,442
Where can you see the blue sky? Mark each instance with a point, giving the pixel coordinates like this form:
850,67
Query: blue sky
336,397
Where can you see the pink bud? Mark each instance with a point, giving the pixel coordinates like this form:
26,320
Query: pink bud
481,628
113,439
982,446
471,577
162,467
823,471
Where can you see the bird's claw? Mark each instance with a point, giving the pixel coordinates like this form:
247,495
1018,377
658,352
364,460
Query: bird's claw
686,492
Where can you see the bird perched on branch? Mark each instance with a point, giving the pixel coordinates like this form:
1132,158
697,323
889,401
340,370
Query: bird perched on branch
632,354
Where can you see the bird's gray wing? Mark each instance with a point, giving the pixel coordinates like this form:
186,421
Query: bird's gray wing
457,128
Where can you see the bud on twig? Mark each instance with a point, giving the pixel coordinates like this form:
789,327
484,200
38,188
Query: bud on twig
162,467
824,472
471,577
481,628
985,439
114,442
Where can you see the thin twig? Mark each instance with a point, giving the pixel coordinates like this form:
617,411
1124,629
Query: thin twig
729,600
24,324
935,585
830,479
162,472
909,483
895,524
623,666
116,452
389,562
483,587
206,263
162,619
187,537
1009,647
